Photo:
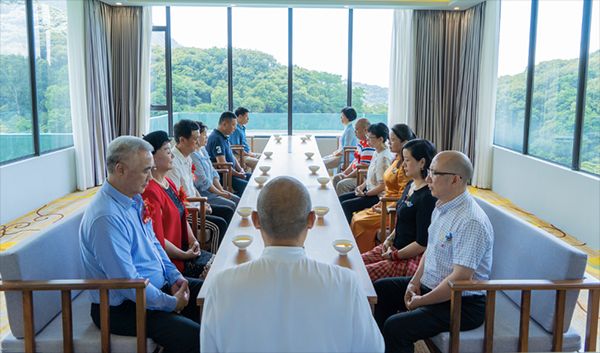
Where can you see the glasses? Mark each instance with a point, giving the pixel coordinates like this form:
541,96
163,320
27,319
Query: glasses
433,173
371,137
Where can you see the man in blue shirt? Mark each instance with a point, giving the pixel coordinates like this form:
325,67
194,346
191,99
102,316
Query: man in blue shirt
238,137
117,241
219,150
348,138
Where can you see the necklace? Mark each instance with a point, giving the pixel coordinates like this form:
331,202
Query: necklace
164,183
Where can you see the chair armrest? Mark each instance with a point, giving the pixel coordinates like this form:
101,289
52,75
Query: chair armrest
525,286
66,286
198,215
227,177
238,151
384,217
347,151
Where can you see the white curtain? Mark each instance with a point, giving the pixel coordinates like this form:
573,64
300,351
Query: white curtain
488,74
143,108
77,84
401,92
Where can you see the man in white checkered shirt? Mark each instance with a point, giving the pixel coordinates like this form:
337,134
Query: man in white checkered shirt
459,248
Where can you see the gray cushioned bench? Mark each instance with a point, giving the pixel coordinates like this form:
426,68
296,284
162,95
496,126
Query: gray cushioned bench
53,254
522,251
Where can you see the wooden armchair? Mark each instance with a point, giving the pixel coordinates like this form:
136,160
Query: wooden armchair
226,171
65,287
198,215
387,210
347,151
238,152
361,173
525,286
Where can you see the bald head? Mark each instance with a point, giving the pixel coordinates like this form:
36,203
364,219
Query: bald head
362,123
283,208
455,162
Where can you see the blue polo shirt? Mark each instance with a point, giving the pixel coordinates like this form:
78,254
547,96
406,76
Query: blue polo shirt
219,145
238,137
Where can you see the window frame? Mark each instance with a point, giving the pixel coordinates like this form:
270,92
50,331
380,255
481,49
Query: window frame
35,128
582,77
169,88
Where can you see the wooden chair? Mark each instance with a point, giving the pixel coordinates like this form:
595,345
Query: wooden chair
347,151
525,286
197,219
238,152
226,171
361,174
65,287
387,211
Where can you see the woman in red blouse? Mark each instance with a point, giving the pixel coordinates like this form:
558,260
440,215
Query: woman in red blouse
166,206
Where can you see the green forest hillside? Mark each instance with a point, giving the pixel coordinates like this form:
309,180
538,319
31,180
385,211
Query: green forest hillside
552,112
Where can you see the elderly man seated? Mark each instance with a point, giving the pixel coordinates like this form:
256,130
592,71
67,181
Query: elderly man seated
459,248
117,241
284,301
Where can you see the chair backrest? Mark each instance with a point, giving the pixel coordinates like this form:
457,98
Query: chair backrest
51,254
523,251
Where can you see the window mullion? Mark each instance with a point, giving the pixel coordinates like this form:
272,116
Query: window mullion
582,75
530,74
32,78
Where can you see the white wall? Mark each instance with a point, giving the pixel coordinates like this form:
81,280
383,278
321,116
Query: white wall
31,183
570,200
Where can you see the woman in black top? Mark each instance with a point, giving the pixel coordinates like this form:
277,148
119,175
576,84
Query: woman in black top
400,253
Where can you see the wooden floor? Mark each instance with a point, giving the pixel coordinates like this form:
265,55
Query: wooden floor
23,227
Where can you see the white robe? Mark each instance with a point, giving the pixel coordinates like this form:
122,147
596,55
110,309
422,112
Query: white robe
286,302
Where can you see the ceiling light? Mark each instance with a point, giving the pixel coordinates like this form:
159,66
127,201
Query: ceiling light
119,3
457,8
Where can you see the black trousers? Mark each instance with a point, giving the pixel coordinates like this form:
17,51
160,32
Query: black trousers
174,332
224,212
352,203
239,184
402,328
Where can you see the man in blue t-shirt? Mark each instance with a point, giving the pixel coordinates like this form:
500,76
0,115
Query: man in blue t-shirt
238,137
219,149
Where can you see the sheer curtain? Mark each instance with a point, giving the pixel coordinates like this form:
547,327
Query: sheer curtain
487,97
401,92
447,69
77,85
109,53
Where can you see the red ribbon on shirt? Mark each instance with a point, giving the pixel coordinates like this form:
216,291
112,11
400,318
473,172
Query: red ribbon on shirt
147,212
194,172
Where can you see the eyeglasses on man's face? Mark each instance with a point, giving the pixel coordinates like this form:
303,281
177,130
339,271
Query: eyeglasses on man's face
431,173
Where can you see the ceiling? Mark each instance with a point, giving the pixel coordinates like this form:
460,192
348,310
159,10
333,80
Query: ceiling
399,4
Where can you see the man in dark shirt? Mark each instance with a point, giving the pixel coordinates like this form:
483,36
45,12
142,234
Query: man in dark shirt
219,149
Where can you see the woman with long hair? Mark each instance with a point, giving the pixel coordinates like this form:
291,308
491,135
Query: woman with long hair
366,222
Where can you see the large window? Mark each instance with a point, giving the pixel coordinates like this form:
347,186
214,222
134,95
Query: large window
320,68
555,80
590,143
371,33
224,57
16,124
512,74
52,74
550,109
33,44
260,66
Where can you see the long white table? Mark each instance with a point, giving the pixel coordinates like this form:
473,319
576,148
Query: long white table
288,159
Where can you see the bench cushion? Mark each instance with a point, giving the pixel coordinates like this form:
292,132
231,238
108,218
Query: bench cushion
86,336
506,333
52,254
522,251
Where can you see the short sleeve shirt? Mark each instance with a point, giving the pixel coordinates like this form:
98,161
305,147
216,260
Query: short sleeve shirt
460,234
218,145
